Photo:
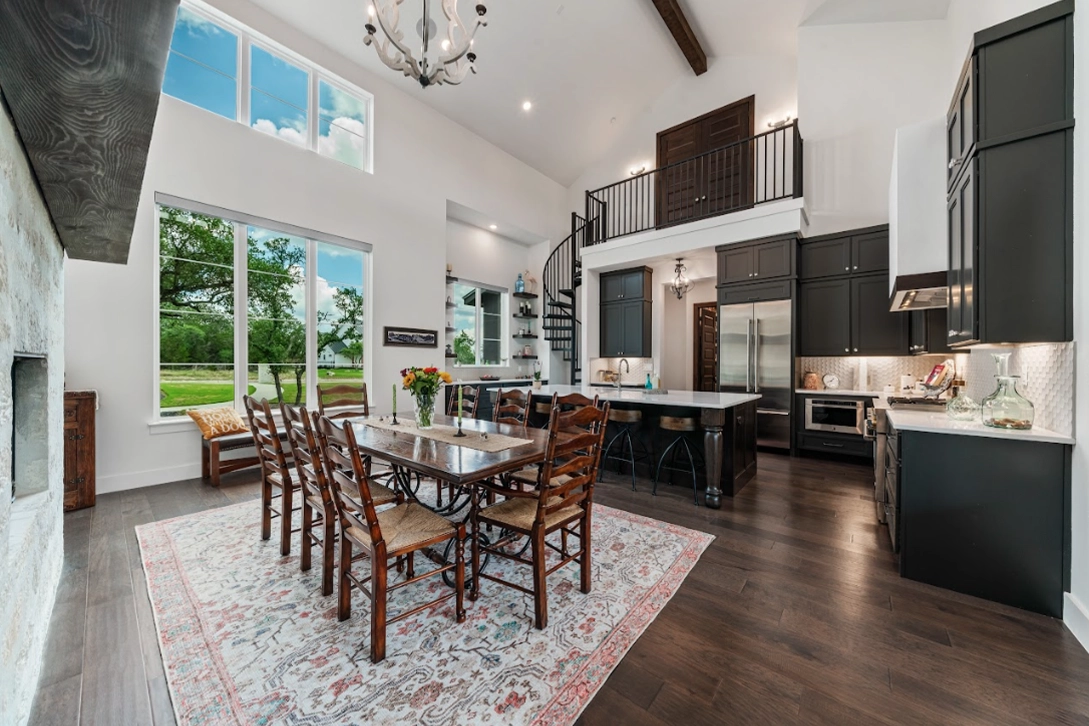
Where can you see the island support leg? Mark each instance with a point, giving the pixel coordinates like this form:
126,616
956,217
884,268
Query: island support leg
713,423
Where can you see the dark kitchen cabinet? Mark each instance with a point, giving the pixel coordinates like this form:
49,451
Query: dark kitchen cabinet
824,318
79,450
634,284
1011,197
928,332
760,260
850,253
875,330
625,329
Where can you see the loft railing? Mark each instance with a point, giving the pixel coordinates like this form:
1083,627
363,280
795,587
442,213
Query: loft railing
762,168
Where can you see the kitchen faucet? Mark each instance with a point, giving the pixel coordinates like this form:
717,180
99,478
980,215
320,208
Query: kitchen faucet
626,366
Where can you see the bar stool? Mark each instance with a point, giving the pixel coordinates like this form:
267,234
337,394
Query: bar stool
626,421
682,427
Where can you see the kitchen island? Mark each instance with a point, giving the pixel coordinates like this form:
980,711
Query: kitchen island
728,422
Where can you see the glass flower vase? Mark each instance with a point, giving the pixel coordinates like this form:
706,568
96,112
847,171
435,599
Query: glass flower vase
1006,408
425,410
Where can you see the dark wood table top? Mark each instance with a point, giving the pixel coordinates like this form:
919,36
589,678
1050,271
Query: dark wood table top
459,465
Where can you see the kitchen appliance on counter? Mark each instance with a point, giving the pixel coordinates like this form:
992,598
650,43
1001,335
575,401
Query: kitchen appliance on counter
838,415
755,357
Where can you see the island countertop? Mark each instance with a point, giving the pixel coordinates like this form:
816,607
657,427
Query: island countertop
685,399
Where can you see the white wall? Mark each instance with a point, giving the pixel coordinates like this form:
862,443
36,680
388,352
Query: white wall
422,159
770,78
678,338
483,256
856,85
967,17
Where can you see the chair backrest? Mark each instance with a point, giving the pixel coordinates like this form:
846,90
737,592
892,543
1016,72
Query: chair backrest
574,401
347,478
344,400
270,450
511,408
470,397
575,440
309,463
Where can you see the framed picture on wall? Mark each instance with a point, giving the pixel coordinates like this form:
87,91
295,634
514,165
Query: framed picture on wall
414,337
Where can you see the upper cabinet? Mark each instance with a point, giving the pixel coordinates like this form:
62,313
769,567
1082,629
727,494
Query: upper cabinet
859,252
631,284
1010,208
626,313
756,261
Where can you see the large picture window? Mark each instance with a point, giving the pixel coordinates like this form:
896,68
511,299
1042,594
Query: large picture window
245,307
479,325
224,67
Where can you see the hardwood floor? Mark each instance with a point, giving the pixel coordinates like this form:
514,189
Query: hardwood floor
795,614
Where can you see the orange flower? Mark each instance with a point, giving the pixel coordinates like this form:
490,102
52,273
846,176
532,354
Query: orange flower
409,380
446,377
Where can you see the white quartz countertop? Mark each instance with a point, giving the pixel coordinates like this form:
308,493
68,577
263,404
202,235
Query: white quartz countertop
836,392
687,399
936,422
501,381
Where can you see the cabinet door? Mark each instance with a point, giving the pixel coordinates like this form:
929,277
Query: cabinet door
635,333
680,185
937,339
919,324
735,265
772,259
824,318
875,330
79,452
962,256
633,286
826,258
870,252
612,287
961,125
612,330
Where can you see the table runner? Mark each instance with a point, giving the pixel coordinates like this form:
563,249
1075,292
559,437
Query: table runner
472,439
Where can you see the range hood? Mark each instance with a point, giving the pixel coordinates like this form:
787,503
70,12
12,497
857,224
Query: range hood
918,236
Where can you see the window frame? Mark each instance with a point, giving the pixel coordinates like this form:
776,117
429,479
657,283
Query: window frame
241,221
246,38
478,325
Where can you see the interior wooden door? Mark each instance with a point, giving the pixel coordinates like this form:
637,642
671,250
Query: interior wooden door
680,185
705,340
729,182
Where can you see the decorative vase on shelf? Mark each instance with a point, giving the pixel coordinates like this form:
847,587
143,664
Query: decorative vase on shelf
425,410
519,284
1006,408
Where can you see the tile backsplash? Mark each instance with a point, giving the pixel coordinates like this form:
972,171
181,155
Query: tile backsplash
880,371
637,375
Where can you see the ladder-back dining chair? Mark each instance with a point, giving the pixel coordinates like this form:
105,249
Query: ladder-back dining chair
275,472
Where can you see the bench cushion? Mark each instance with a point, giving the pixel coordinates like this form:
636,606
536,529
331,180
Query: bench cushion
215,423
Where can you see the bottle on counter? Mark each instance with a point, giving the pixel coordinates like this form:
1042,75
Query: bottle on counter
649,384
961,407
1006,408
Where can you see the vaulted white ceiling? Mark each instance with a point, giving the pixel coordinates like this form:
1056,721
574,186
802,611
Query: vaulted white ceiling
588,66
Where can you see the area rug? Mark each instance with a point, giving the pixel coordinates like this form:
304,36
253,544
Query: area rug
246,638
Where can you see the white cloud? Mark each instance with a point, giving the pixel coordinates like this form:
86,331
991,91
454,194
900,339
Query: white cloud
196,24
287,133
346,141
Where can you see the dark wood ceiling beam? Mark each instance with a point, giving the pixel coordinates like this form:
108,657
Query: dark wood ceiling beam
682,32
82,81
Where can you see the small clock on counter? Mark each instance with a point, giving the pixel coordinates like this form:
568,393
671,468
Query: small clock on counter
831,381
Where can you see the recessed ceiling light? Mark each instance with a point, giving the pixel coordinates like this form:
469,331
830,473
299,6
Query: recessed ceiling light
493,226
527,106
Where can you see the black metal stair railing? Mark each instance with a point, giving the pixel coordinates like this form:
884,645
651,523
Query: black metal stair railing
562,277
762,168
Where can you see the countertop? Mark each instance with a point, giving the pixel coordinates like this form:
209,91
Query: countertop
936,422
685,399
837,392
501,381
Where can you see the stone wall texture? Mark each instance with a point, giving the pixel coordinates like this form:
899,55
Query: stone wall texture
31,321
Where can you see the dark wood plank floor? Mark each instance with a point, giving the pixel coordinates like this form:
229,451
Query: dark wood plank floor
795,614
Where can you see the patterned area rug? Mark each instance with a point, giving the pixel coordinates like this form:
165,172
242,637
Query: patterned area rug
247,638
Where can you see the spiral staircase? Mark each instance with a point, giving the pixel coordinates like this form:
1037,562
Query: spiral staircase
562,278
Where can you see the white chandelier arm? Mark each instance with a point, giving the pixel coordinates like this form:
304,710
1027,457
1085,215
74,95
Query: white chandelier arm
458,50
389,18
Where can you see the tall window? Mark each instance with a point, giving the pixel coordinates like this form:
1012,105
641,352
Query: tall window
224,67
246,308
479,325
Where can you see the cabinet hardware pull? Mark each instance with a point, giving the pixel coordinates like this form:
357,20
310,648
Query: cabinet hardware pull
952,332
956,162
831,446
847,269
856,350
856,267
756,274
846,350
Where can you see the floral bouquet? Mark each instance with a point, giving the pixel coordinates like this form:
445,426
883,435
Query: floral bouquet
424,384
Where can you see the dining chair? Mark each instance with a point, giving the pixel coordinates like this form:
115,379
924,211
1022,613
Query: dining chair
562,502
511,408
275,472
397,532
346,400
470,400
571,402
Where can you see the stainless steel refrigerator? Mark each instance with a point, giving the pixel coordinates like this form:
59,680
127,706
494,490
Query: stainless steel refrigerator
755,357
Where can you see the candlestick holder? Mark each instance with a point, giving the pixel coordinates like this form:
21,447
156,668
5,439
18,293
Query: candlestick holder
394,422
460,434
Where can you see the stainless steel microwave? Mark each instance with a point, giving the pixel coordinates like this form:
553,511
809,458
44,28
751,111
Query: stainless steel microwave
842,416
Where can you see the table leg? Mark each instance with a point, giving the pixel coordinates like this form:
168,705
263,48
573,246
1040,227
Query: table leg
712,450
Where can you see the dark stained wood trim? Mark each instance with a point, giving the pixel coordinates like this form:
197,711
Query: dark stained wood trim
696,341
682,32
82,79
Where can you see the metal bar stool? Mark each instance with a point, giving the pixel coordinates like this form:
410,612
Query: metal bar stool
631,449
683,427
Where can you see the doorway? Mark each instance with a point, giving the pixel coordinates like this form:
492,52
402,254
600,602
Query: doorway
705,347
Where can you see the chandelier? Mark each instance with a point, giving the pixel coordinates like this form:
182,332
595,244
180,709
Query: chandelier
680,284
448,61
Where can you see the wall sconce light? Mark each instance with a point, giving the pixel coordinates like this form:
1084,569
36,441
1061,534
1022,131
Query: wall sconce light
780,124
637,170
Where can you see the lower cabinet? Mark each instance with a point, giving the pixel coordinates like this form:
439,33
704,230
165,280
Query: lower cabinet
987,517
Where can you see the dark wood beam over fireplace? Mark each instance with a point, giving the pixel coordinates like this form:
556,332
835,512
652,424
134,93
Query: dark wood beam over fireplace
82,81
675,20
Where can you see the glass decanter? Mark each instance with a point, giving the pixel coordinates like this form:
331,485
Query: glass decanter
1006,408
961,407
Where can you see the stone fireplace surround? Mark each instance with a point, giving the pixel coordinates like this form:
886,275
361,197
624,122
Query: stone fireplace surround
31,322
